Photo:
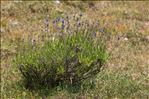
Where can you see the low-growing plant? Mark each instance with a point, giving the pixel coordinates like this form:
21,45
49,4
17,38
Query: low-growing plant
69,60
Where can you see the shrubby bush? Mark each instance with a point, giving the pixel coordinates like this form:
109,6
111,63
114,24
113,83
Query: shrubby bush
69,61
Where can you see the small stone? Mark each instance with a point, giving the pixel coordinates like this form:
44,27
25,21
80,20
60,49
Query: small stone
57,2
125,39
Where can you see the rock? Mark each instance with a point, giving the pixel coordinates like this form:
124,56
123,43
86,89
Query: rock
125,39
57,2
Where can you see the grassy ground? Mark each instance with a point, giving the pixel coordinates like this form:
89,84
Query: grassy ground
126,74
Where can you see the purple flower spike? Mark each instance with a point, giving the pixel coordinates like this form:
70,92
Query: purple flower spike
58,19
63,27
101,30
63,24
46,30
62,21
94,34
47,24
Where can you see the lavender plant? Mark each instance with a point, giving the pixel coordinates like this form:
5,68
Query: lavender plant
69,61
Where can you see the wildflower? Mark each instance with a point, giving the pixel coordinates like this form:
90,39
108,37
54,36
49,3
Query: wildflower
62,21
46,30
63,26
97,23
101,30
58,19
94,34
54,23
47,24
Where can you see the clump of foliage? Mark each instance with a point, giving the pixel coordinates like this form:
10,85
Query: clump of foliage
69,60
